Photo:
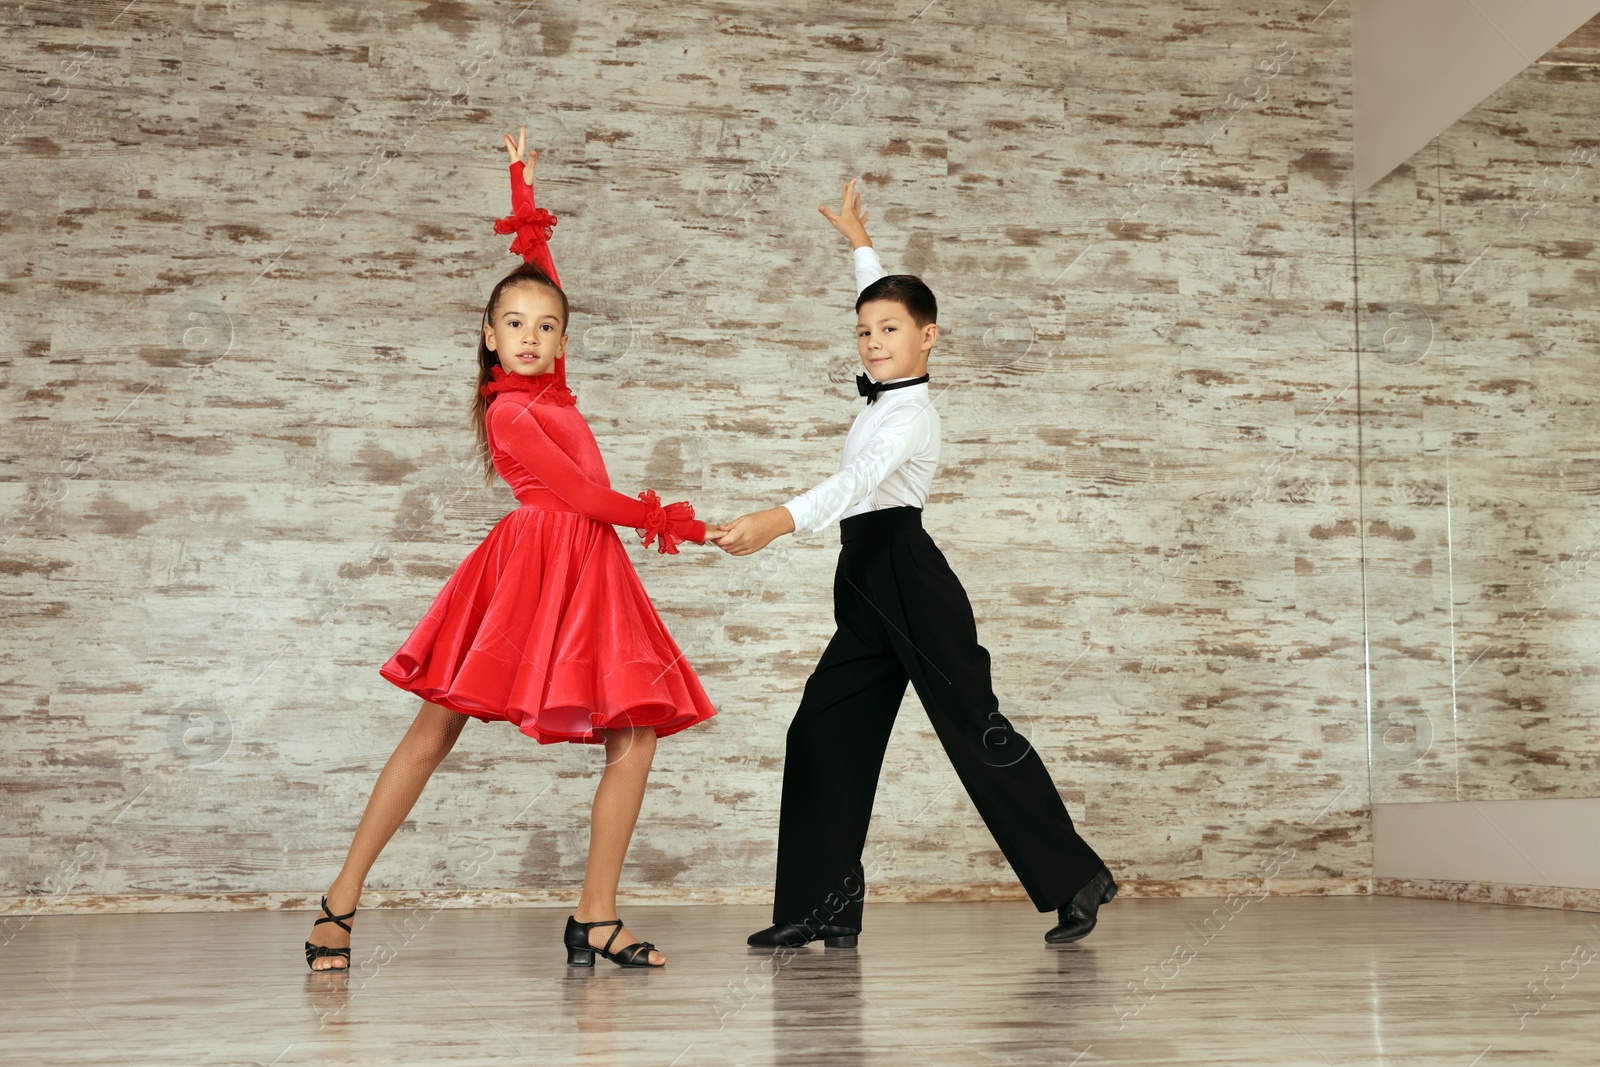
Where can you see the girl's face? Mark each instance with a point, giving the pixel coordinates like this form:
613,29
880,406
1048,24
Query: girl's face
891,345
527,333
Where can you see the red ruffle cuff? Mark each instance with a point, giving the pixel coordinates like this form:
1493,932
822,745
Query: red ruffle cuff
533,227
670,525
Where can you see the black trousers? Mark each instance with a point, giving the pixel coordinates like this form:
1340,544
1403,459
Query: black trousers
902,615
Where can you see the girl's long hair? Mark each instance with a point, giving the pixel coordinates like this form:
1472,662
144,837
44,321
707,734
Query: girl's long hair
527,274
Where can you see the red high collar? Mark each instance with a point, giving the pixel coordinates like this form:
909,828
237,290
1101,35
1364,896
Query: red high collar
546,388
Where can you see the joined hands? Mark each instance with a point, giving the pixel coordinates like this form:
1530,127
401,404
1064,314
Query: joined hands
751,533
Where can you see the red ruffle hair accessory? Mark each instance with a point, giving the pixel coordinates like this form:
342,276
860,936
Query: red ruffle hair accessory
658,519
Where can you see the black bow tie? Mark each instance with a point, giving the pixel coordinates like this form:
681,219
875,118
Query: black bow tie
870,389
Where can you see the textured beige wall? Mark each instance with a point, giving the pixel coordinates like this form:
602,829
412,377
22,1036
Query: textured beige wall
1477,261
246,246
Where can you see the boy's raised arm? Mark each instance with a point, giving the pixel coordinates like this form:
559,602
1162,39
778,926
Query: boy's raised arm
826,502
851,221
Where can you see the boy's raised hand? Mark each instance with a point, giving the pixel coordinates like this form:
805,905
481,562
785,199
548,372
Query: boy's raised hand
753,532
518,151
849,220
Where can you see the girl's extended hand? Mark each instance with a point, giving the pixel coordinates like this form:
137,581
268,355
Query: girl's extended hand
518,151
849,220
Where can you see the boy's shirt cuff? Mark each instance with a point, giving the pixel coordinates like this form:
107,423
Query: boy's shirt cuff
869,268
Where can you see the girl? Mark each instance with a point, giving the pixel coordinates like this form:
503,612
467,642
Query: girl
545,624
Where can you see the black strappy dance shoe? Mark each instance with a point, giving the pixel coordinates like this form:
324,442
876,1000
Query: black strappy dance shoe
581,954
314,952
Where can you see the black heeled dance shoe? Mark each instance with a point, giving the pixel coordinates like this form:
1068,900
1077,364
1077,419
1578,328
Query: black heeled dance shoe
314,952
581,954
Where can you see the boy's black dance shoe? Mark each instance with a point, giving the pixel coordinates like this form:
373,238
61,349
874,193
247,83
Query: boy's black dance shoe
788,935
1077,918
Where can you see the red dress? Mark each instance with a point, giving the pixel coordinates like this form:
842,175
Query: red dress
546,624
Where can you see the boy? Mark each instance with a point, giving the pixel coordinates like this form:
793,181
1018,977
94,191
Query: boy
902,616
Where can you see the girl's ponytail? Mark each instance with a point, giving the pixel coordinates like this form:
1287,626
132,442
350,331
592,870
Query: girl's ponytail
525,274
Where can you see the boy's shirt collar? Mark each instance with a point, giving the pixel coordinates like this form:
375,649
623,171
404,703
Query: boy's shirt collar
870,389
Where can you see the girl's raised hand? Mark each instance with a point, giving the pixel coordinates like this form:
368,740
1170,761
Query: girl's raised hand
850,219
518,151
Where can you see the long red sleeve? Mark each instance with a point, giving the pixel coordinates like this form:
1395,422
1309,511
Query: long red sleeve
516,429
531,224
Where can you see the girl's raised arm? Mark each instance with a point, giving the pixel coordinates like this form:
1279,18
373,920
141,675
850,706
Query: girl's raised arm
533,225
518,151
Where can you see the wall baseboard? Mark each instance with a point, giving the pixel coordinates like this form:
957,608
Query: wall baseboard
564,896
1534,896
1528,896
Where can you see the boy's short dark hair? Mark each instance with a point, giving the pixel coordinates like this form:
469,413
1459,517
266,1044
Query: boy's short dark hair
907,290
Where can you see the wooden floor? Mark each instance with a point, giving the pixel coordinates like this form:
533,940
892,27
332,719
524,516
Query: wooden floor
1284,981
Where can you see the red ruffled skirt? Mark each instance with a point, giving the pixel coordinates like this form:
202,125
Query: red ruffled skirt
546,625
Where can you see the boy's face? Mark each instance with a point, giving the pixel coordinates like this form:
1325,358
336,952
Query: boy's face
526,333
890,343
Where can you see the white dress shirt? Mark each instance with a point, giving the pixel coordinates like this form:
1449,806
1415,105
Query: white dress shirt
890,453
